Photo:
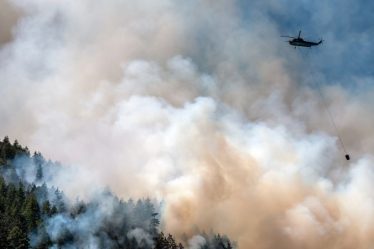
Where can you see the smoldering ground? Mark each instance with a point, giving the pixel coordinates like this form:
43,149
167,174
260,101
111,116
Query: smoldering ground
200,106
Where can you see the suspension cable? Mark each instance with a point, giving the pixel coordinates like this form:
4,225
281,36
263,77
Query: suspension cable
331,117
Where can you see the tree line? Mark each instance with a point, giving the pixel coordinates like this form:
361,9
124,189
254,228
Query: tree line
34,215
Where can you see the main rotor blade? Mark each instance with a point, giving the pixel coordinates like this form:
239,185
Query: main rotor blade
288,36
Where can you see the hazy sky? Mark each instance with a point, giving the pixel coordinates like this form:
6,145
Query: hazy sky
346,27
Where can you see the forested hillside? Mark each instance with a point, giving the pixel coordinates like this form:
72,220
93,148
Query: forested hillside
35,215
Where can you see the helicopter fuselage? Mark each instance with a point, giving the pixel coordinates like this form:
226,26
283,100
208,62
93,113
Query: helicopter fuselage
301,43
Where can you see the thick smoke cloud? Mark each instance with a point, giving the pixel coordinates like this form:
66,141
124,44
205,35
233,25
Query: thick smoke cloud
200,104
8,19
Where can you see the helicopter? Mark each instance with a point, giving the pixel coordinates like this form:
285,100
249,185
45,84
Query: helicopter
300,42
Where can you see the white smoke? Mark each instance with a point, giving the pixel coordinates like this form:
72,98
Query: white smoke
196,242
142,238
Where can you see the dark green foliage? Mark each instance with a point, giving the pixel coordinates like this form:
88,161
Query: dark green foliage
217,242
163,242
53,210
46,208
44,241
19,215
9,151
31,212
17,238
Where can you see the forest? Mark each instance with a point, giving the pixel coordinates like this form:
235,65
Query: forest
36,215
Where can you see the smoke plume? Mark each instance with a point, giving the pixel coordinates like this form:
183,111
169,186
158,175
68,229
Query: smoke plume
201,105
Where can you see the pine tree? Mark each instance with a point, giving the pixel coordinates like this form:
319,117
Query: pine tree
160,241
17,239
54,210
3,230
59,202
31,212
171,242
154,224
44,239
39,172
3,188
6,140
46,208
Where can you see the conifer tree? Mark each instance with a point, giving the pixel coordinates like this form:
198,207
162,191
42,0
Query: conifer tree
17,239
31,212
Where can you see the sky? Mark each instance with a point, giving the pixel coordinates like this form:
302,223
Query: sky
345,26
203,105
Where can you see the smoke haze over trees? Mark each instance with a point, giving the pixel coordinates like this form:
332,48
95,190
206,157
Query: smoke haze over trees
35,215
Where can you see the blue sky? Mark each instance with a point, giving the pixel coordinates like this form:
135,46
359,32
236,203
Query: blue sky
347,28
